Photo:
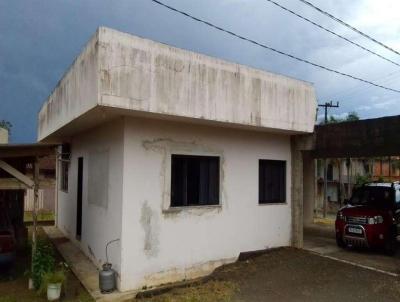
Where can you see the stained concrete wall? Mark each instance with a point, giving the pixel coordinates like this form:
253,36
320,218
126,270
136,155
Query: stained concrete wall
123,78
3,136
135,75
75,94
100,223
162,244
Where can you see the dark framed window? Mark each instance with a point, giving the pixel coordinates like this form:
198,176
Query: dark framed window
329,172
64,167
271,181
194,180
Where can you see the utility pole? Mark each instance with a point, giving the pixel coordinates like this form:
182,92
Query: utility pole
325,204
326,106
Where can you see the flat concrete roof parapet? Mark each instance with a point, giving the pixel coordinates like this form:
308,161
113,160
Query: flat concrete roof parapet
132,75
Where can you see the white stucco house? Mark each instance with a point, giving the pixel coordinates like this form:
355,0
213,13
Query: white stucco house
183,157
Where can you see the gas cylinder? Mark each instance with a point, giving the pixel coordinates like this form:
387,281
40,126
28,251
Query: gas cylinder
107,279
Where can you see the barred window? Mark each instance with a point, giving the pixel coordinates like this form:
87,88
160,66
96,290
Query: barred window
194,180
64,167
272,181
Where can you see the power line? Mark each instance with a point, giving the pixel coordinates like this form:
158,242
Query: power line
355,89
332,32
271,48
349,26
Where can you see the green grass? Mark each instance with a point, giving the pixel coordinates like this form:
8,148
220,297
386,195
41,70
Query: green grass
14,286
42,216
8,299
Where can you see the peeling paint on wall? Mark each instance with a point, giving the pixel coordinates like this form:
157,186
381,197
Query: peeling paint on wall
167,147
149,222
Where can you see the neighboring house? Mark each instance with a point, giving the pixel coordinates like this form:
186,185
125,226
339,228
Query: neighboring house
387,168
183,157
47,176
342,176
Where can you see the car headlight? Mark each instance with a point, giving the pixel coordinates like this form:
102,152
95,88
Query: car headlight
340,216
375,220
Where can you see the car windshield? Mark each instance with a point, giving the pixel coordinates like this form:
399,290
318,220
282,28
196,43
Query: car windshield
373,196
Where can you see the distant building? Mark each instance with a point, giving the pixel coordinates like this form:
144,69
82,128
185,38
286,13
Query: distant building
3,136
343,174
47,175
46,201
386,168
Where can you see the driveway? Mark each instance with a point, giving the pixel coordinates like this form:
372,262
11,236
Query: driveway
289,274
321,239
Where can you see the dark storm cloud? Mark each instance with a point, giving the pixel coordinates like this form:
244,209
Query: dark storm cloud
39,39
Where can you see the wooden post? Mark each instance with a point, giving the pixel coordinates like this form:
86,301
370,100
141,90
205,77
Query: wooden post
35,205
325,204
56,190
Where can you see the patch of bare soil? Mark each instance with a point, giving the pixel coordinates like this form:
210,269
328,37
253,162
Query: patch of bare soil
289,274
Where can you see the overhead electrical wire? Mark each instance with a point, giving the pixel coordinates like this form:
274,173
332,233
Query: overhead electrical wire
271,48
388,79
349,26
332,32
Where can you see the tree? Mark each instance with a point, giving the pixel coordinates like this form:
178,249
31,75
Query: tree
5,125
351,116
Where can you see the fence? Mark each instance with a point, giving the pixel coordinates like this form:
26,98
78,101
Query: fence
45,200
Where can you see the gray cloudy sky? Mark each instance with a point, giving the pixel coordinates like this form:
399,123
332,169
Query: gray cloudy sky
39,39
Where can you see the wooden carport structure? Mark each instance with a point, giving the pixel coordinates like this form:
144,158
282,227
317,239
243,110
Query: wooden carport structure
13,159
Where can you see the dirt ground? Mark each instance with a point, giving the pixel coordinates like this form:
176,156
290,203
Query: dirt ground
14,282
284,274
289,274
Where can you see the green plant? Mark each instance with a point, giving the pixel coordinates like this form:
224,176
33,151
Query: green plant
8,299
6,125
51,278
54,277
42,262
362,179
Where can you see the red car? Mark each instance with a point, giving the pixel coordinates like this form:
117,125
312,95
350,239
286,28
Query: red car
370,218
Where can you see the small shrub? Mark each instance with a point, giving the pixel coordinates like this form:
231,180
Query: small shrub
51,278
54,277
362,180
42,262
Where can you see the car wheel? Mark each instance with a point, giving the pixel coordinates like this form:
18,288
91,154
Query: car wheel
339,241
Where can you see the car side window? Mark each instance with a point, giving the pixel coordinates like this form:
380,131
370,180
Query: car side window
397,197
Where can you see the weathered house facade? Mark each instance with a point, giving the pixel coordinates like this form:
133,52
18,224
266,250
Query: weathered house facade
185,158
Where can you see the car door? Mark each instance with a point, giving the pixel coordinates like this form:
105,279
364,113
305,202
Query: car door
397,210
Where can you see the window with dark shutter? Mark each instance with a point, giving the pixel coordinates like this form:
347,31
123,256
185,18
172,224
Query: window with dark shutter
272,181
64,176
194,180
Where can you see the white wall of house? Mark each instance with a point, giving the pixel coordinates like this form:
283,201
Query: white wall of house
160,244
144,101
101,214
